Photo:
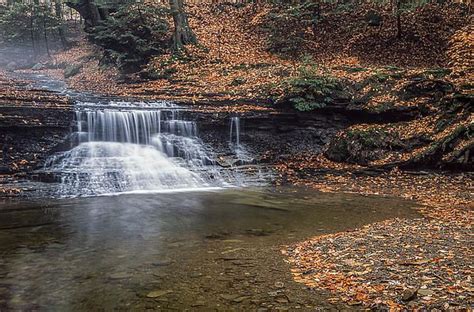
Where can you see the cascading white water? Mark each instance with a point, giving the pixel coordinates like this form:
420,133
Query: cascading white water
94,168
235,130
126,150
238,149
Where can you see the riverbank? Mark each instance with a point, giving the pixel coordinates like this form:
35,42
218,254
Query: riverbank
33,124
423,263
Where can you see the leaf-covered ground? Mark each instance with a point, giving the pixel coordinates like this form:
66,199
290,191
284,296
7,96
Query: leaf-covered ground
393,264
233,60
415,264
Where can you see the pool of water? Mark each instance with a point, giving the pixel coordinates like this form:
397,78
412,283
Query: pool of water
188,250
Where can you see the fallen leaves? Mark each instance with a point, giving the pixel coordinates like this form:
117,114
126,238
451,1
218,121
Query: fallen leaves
361,270
232,62
461,48
374,265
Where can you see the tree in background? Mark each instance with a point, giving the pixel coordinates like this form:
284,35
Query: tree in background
131,35
183,33
96,12
58,10
91,12
31,24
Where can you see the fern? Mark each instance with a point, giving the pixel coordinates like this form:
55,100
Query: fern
310,89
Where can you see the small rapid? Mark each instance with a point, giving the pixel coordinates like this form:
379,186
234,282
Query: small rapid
122,148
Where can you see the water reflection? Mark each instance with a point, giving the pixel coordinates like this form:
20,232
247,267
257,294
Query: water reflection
110,252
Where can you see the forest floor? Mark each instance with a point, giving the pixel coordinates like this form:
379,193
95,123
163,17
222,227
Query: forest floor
236,60
422,81
421,263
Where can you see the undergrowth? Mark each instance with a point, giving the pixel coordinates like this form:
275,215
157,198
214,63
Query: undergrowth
310,89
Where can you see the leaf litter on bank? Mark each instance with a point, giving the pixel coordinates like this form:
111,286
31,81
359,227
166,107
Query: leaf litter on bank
395,264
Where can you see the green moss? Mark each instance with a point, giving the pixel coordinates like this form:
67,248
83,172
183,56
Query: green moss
393,68
354,69
437,72
362,145
380,77
369,137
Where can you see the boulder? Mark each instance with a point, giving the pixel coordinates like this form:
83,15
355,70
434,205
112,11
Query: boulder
433,88
72,70
361,146
11,66
38,66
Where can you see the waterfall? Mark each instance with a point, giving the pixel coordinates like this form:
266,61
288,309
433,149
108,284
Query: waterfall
126,149
235,130
238,149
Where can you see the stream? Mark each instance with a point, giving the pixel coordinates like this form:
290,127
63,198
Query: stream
144,216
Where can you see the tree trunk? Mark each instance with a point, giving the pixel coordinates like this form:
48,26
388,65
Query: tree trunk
45,34
399,18
183,34
62,29
88,11
34,30
33,37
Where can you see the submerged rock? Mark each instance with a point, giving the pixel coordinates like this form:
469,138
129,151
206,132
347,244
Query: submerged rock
158,293
162,262
121,275
409,294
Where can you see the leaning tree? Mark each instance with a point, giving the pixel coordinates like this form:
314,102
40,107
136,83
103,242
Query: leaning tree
183,33
95,11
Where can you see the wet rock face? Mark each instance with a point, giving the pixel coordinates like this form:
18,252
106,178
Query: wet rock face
25,149
432,88
362,146
271,135
33,124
